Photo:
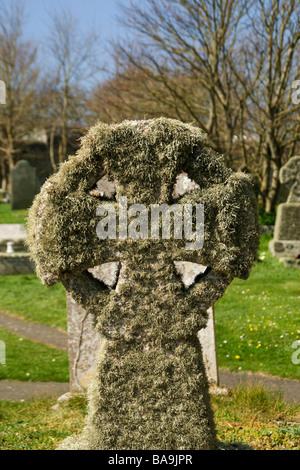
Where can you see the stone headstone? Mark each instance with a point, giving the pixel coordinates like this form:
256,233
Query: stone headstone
83,343
23,185
83,339
149,388
286,241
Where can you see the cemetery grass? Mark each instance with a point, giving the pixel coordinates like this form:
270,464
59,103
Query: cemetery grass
30,361
258,320
247,418
7,216
25,297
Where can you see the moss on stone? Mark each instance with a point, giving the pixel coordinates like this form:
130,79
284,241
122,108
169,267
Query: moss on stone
149,389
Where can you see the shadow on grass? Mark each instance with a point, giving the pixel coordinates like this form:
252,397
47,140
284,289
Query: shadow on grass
234,446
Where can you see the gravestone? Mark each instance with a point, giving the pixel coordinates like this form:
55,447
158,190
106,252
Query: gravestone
286,242
149,389
83,342
82,337
23,185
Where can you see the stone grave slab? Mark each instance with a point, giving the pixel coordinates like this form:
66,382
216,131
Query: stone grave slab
23,185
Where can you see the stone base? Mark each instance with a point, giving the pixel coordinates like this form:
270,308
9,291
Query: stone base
290,262
12,233
16,263
285,248
18,246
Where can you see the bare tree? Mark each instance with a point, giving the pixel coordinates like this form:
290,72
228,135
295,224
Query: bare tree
226,65
19,72
73,61
189,47
270,112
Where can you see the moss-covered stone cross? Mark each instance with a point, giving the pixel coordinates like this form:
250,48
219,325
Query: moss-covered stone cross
149,389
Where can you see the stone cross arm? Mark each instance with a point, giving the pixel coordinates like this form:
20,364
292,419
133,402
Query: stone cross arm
290,173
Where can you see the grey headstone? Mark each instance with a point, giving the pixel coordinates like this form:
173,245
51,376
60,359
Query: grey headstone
286,242
23,185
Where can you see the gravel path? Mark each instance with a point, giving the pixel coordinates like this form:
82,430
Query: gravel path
12,390
35,332
290,389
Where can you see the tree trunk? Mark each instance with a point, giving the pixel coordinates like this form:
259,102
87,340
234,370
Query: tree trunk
4,175
51,148
273,188
264,187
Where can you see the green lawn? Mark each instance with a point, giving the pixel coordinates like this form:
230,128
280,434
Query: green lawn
30,361
252,417
258,320
7,216
25,296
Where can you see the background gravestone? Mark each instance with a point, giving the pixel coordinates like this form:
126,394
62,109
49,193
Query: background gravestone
14,258
286,242
149,389
23,185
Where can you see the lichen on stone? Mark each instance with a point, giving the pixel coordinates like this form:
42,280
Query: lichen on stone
149,388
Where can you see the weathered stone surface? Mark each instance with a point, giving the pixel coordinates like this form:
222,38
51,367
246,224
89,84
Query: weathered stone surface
106,273
291,263
83,343
15,263
290,174
12,232
23,185
287,226
207,338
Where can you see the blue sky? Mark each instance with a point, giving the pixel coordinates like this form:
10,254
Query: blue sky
98,14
